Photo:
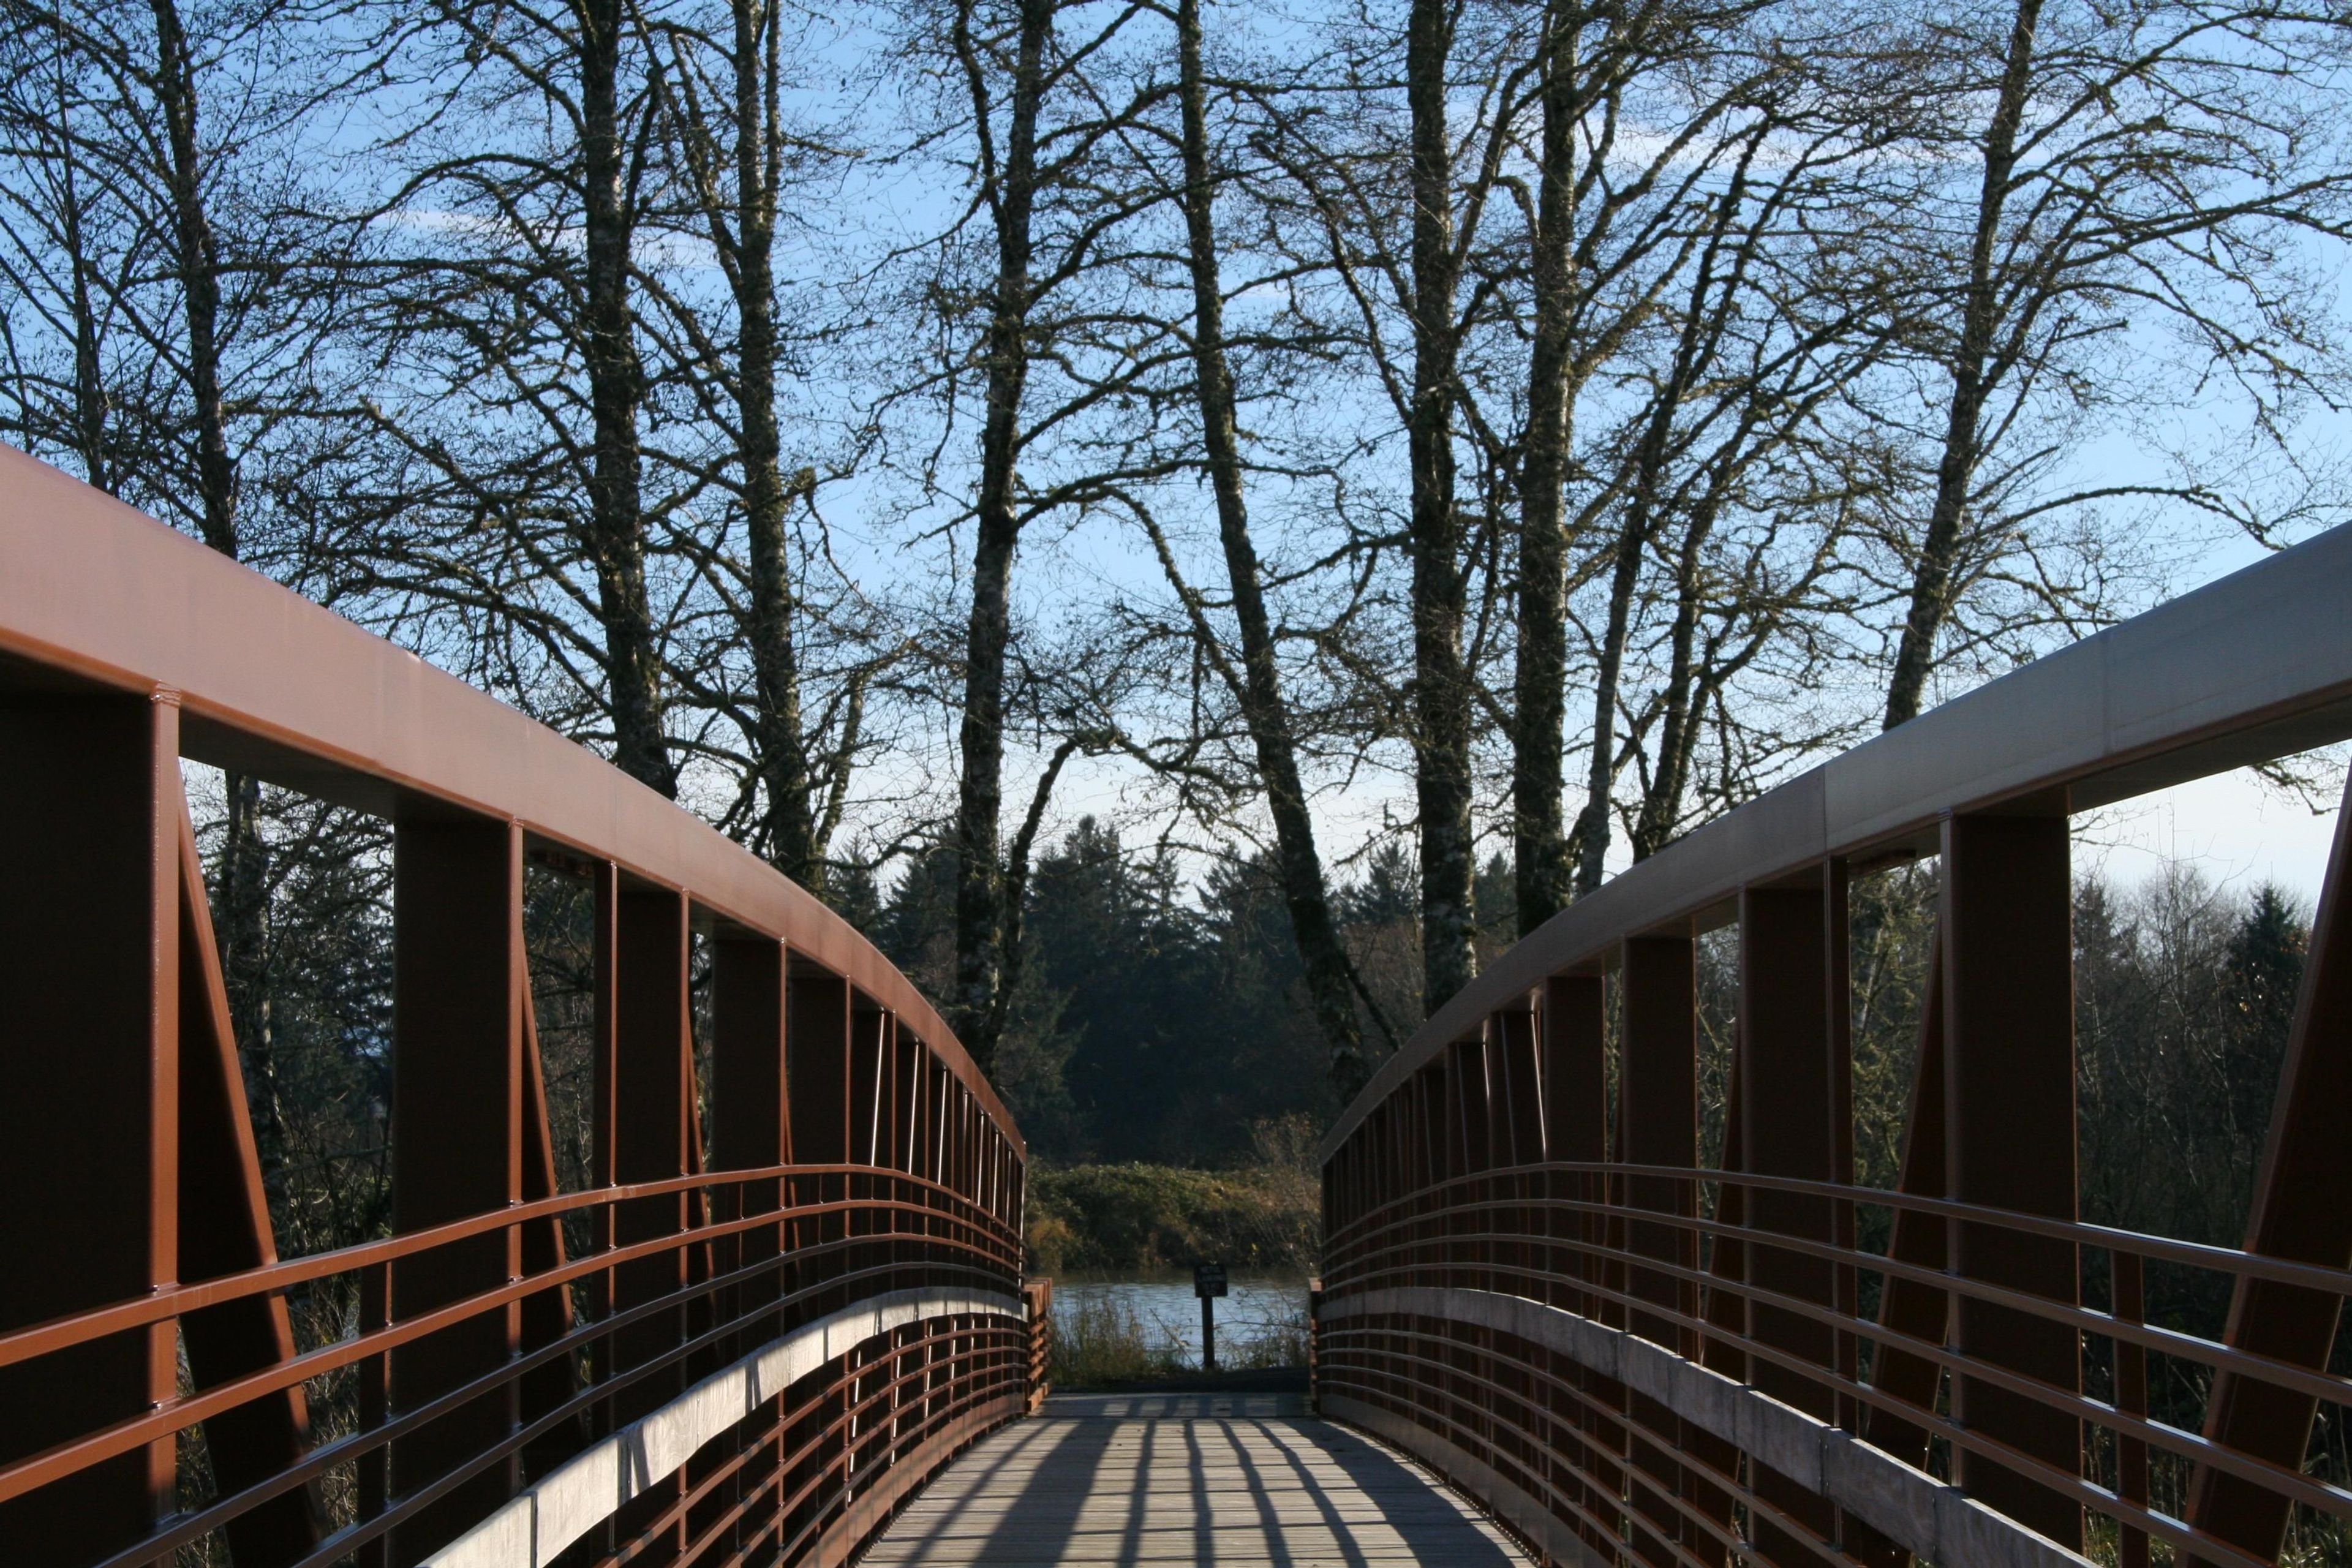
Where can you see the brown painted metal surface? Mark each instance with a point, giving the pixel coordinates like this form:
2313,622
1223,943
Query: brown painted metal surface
1946,1324
456,1147
2008,1118
2253,667
136,1221
1786,1107
90,856
270,682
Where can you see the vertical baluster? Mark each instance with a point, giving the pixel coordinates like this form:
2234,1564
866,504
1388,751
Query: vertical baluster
2131,1398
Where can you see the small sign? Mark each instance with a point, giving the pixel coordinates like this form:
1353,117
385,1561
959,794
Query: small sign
1208,1280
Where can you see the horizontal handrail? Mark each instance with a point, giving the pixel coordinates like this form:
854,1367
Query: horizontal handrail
2154,1248
44,1339
2168,1342
2189,1445
172,1416
1563,1236
2177,1531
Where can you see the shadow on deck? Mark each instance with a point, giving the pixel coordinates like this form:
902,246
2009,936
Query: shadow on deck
1187,1478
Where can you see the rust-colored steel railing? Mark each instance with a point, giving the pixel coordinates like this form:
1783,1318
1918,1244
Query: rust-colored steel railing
1531,1280
1038,1351
785,1296
745,1282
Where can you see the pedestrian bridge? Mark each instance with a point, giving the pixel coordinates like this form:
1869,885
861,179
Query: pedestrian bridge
787,1321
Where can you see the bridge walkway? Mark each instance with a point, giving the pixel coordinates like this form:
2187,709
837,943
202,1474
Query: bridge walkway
1099,1479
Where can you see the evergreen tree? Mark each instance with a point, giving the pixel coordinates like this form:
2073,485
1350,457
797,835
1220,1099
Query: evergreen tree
2265,965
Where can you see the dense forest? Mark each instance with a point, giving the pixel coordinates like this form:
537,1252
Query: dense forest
1194,524
1165,1021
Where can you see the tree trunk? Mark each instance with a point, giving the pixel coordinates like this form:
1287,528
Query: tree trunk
783,763
199,269
1329,987
1589,840
1541,872
89,386
1440,684
980,871
1931,582
243,873
1593,828
1661,803
616,388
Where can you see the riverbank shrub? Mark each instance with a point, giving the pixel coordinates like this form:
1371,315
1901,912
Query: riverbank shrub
1101,1341
1155,1219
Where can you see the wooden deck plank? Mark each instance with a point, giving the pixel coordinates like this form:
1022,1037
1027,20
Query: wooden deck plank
1099,1481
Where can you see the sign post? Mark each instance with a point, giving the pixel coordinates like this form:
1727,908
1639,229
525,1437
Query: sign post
1208,1283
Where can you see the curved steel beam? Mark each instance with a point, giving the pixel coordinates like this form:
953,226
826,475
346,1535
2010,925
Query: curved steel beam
275,685
2255,665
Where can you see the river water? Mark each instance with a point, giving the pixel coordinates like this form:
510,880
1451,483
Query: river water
1254,1306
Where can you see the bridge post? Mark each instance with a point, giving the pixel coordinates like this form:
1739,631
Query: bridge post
1789,1106
906,1054
1470,1061
750,1130
1520,1135
458,1086
2009,1064
651,1106
817,1062
816,1057
1576,1130
866,1096
89,826
751,1121
1657,1124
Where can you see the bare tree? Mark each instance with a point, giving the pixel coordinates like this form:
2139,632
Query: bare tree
2159,168
722,90
1032,108
193,350
1390,204
1608,233
1744,477
1008,181
509,503
1258,689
